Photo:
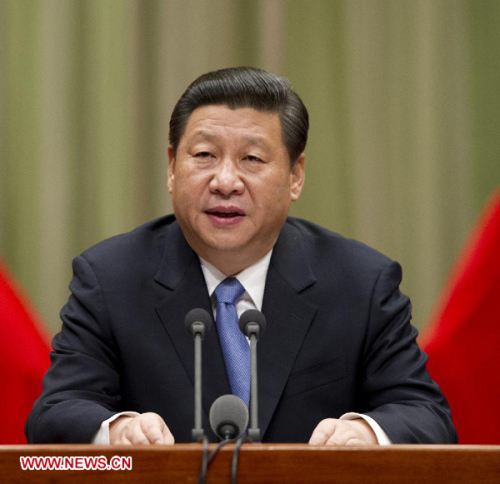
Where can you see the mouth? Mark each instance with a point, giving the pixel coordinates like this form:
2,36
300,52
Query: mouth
226,212
225,215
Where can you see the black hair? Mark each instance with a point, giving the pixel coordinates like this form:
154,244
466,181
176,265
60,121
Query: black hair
242,87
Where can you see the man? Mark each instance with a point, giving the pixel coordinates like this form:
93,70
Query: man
338,363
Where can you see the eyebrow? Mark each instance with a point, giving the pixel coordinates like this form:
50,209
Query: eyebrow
250,139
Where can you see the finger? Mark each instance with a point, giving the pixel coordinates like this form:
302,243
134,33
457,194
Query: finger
355,442
156,430
134,433
116,430
136,436
123,440
351,432
153,430
123,437
323,431
341,437
168,438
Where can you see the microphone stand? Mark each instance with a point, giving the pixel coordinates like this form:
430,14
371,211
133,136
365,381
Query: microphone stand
197,322
253,429
252,324
198,330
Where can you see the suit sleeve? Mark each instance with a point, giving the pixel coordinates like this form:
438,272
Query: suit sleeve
400,395
81,388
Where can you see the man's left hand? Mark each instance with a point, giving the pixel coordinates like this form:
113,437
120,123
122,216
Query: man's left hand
332,431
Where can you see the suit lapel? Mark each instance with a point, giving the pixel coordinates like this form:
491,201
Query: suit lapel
288,316
180,273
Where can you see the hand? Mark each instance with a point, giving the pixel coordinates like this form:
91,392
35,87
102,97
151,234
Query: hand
332,431
144,429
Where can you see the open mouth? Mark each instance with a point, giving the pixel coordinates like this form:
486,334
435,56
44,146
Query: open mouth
225,215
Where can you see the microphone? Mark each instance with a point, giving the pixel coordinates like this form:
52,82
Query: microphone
252,324
228,417
198,322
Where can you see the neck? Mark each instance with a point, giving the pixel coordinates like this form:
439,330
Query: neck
231,265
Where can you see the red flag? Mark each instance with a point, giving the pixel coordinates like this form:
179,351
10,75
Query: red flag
24,358
463,339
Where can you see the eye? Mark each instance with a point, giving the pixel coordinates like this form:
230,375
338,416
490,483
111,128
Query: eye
203,154
254,159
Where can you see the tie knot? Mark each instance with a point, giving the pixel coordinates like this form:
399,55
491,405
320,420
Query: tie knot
229,291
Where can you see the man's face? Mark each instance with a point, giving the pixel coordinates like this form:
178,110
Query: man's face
232,185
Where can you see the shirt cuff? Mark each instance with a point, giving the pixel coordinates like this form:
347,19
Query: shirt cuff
101,437
382,437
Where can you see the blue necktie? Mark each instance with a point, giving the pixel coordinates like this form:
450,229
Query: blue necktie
234,344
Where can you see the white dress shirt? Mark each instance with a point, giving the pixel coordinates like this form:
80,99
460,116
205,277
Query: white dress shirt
253,279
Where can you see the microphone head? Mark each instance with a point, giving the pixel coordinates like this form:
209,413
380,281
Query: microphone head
252,321
228,417
198,321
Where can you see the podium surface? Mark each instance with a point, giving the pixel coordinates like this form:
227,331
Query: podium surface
258,463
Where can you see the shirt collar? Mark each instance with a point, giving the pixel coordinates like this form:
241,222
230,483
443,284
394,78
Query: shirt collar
253,278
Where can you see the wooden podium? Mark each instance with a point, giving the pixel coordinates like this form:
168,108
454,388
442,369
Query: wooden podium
267,463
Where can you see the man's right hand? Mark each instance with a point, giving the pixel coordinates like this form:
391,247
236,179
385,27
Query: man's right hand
144,429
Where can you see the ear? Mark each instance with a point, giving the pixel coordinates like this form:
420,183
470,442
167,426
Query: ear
171,168
297,177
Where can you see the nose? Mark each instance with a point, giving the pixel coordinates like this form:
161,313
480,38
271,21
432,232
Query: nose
226,180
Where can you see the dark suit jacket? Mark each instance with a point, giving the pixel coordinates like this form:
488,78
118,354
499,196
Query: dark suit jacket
338,339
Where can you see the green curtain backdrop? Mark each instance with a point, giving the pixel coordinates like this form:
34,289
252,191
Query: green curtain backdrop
403,98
